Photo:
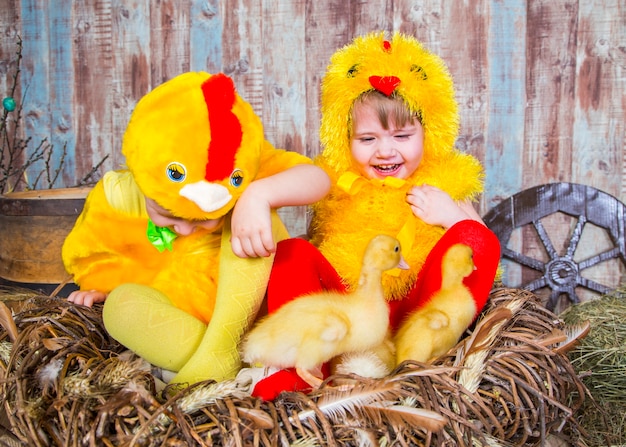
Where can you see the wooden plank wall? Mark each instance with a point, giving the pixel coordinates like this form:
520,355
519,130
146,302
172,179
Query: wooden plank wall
541,83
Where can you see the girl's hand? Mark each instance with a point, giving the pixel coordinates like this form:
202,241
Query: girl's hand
436,207
87,297
251,226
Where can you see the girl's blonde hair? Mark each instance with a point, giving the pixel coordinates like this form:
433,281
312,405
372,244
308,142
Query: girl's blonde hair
391,110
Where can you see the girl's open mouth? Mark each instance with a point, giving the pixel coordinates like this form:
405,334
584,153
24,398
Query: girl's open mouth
387,169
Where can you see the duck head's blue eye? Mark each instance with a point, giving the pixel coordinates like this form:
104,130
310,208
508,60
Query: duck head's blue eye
236,178
176,172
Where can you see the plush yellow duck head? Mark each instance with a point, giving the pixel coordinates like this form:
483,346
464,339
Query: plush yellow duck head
394,66
193,145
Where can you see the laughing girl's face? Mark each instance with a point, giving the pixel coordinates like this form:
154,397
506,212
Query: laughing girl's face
378,152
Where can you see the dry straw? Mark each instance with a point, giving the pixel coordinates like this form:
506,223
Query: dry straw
65,382
600,359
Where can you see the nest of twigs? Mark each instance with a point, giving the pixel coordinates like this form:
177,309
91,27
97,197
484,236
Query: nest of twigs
65,382
600,359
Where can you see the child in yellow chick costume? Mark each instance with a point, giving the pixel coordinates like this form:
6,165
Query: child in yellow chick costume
389,123
179,246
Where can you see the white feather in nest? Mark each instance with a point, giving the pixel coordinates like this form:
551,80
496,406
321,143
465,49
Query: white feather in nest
476,346
374,400
574,333
7,322
48,375
337,403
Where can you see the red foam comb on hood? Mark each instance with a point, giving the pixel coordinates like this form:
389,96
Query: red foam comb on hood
219,96
385,84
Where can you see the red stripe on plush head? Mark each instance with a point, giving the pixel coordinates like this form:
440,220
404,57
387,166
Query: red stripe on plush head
219,96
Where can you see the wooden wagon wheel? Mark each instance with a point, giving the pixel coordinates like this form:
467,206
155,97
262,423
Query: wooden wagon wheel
562,274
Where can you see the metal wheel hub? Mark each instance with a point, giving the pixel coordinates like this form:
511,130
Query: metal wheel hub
562,272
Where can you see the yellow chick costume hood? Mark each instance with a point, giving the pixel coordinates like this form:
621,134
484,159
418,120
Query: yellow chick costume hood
356,209
192,145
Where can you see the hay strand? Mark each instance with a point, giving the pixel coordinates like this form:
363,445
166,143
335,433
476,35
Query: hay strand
600,359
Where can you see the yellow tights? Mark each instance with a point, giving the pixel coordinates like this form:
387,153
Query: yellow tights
146,322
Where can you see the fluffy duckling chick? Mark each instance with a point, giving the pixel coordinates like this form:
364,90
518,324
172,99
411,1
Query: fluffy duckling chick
437,326
312,329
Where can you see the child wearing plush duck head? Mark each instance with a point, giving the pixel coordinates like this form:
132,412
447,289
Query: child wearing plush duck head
179,246
389,124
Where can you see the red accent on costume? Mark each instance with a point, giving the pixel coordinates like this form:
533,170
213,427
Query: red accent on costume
299,268
219,95
284,380
486,248
385,84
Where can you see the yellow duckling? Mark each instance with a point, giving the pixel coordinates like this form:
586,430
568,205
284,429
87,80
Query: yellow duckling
436,327
312,329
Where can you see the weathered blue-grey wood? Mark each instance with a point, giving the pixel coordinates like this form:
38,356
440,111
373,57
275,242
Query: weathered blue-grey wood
550,87
504,151
243,59
35,85
599,133
62,128
540,82
130,66
170,25
206,34
94,95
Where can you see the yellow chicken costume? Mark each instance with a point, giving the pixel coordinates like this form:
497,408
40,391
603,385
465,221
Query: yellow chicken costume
357,209
343,223
182,302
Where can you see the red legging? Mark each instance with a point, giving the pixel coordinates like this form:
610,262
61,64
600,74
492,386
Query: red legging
299,268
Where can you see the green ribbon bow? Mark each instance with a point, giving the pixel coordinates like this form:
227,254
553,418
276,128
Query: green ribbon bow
160,237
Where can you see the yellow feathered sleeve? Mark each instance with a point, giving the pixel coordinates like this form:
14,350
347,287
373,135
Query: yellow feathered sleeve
112,224
277,160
